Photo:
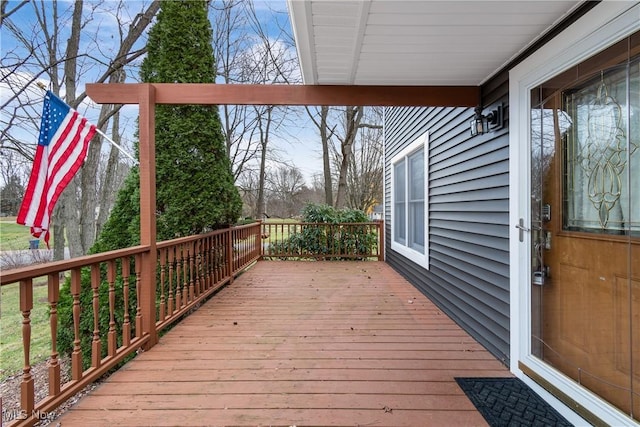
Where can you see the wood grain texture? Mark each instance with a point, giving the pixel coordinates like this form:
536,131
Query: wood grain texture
301,343
240,94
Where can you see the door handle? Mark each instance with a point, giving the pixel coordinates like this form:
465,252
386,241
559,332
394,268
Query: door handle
522,228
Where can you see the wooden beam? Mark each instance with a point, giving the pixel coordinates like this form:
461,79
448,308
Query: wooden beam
221,94
147,129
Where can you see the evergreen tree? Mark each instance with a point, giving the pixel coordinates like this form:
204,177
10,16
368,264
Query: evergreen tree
194,185
195,191
11,196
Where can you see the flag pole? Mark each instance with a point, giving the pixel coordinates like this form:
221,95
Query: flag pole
118,147
111,141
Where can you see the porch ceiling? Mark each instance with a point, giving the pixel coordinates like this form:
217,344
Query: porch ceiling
385,42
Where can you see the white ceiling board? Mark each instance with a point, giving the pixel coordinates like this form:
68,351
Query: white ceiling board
415,42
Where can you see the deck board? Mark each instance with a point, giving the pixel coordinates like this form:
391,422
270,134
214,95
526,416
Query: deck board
300,343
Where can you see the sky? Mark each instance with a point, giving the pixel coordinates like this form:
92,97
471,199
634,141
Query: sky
299,145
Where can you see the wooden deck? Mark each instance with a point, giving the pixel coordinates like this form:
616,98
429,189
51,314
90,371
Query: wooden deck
300,343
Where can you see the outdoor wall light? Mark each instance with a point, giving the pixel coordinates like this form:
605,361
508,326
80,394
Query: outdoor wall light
481,124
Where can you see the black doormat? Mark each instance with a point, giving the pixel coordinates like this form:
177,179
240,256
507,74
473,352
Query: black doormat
509,402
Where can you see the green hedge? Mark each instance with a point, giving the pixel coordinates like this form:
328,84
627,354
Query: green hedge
329,241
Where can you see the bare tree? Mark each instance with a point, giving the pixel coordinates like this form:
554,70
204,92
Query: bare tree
247,185
13,179
320,120
90,55
286,185
247,53
365,172
231,41
352,119
4,13
264,127
338,129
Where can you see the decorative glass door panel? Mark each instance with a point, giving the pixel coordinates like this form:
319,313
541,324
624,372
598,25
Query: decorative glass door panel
585,222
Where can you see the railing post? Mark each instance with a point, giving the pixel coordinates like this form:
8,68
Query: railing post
147,144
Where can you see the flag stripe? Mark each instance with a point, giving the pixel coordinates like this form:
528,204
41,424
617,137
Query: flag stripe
65,169
62,149
35,186
59,139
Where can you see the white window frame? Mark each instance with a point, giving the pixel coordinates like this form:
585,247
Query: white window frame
421,258
601,27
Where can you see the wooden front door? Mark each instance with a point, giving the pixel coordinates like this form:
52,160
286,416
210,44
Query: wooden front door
586,229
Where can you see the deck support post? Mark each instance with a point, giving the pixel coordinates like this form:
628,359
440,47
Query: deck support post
147,102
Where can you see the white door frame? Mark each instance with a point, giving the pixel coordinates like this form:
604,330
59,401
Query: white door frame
601,27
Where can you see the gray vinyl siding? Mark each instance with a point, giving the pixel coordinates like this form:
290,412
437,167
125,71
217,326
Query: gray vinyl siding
468,214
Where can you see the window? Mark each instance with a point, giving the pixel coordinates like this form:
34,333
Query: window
409,195
602,153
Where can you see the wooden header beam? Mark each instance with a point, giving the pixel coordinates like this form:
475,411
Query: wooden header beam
237,94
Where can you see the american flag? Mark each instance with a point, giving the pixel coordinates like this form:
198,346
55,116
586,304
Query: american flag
62,149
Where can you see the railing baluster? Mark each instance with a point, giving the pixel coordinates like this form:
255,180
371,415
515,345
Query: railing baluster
76,354
238,244
138,268
257,250
53,295
126,323
194,265
191,259
206,259
111,335
178,277
26,305
380,240
202,266
239,248
323,240
218,259
163,264
235,250
185,283
213,259
96,346
245,246
196,268
171,299
229,255
215,265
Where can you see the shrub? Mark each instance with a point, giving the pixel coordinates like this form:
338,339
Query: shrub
329,236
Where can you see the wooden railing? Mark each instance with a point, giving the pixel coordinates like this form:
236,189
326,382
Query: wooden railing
296,240
188,271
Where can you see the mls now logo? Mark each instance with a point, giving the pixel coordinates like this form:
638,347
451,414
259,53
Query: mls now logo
20,414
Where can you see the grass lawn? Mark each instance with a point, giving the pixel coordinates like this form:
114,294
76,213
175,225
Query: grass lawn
279,230
15,236
12,360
